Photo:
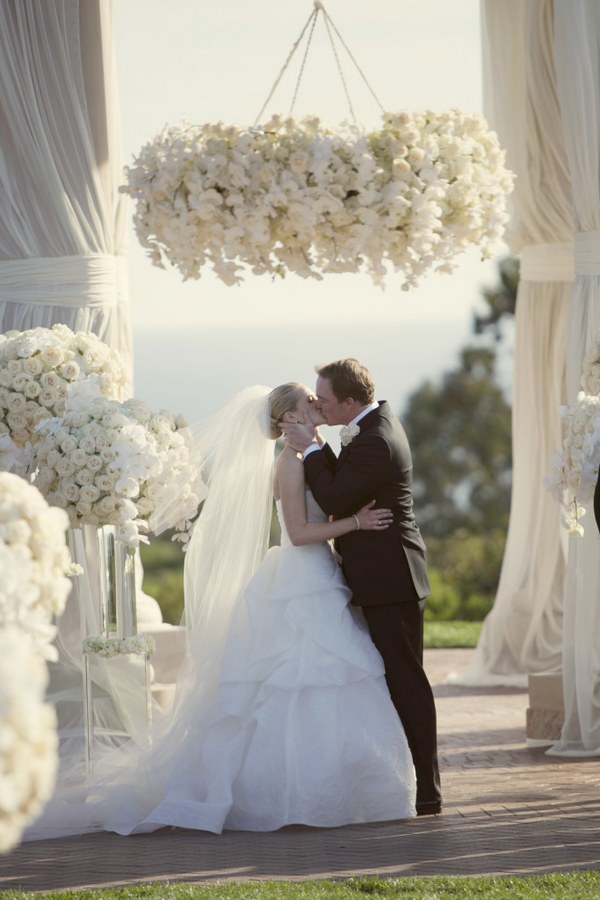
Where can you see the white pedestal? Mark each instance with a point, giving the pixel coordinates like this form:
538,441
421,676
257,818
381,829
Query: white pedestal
545,714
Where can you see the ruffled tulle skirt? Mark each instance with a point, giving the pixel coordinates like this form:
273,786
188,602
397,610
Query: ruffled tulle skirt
303,730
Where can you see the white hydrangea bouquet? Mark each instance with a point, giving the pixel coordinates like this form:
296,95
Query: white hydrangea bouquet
28,738
111,463
293,196
34,561
37,368
574,468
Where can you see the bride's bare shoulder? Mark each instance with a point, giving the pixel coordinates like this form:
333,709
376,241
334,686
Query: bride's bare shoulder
289,469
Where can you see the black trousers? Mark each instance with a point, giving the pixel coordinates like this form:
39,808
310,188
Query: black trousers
397,632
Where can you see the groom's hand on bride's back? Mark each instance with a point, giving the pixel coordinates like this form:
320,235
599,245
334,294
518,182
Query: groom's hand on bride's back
299,437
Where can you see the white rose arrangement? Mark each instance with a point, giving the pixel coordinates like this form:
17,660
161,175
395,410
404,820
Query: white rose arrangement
111,463
37,368
28,738
293,196
34,561
574,468
34,587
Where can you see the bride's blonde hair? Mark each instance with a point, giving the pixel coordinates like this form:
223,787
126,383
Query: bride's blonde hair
282,399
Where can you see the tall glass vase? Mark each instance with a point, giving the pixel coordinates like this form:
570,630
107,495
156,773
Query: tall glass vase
116,688
93,549
125,589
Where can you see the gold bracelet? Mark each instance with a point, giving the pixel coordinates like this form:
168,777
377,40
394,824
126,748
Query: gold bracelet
357,520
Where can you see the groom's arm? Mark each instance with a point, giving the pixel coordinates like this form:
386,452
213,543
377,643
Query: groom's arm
341,489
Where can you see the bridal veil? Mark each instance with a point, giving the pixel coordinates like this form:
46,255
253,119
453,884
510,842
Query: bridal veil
229,539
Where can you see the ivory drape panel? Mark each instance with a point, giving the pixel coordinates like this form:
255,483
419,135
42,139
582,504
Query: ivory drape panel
62,227
577,61
523,632
62,232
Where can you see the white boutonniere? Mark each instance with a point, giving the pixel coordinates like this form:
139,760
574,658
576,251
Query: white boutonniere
348,433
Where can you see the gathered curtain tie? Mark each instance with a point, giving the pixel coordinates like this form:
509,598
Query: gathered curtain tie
96,280
587,253
547,262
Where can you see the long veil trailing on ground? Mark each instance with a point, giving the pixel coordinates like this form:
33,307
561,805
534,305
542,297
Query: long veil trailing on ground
228,542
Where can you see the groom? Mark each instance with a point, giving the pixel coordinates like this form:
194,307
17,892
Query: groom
387,572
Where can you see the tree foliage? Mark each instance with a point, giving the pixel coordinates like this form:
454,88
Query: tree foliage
459,428
500,300
460,432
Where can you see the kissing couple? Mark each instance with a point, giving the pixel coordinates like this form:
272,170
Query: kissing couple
302,698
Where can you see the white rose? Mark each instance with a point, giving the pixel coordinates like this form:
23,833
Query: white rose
17,423
64,468
89,493
33,366
19,381
50,380
105,482
105,506
32,389
70,370
83,509
14,366
79,457
16,403
88,444
94,463
68,444
48,397
71,492
52,356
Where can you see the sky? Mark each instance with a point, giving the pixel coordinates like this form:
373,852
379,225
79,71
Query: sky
217,61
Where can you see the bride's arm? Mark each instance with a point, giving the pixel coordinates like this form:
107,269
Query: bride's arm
291,489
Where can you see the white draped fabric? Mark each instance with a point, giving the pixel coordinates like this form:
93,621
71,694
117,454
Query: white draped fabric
62,233
577,61
62,223
523,632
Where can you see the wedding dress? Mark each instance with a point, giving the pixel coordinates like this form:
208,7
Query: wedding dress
284,715
303,729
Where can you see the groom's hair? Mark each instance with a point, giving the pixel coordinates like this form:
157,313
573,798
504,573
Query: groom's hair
349,378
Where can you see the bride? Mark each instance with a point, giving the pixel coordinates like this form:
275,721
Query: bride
282,713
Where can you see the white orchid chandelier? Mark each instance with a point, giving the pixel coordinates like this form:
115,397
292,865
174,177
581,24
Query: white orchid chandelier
294,196
297,197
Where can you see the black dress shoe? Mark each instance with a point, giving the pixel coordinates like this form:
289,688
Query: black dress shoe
429,808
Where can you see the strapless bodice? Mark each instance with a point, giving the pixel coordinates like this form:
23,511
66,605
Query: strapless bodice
313,511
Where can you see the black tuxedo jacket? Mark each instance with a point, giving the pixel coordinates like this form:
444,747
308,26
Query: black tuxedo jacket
380,567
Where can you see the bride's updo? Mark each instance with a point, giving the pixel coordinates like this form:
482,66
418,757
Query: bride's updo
282,399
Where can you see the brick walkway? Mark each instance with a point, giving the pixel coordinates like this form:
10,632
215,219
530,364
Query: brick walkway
508,810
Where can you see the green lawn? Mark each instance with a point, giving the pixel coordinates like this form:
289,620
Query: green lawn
564,886
451,634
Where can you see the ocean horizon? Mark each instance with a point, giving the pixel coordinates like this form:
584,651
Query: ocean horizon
194,372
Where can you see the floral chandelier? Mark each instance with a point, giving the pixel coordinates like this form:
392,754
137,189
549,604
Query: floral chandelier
295,196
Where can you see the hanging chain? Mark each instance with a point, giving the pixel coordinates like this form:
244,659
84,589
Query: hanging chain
339,65
329,21
316,11
313,16
329,24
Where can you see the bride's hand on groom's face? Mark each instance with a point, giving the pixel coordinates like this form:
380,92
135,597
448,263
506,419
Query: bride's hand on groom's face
298,436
